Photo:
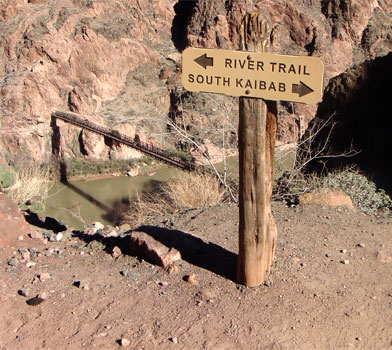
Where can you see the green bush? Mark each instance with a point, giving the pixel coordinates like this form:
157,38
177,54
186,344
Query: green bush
363,192
7,178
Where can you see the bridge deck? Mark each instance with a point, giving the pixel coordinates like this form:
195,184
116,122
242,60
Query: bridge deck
148,149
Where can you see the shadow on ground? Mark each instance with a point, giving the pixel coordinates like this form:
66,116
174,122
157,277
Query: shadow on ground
194,250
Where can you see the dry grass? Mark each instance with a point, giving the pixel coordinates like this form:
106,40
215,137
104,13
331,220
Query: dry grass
185,192
32,184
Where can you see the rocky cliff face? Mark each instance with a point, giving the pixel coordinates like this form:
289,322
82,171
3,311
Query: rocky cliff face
99,58
103,58
342,33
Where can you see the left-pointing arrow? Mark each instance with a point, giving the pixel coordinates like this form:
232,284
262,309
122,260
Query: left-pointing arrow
205,61
302,89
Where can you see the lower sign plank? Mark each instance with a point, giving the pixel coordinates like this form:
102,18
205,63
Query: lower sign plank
253,74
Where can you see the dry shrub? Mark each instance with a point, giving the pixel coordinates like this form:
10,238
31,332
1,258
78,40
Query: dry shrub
189,190
32,184
194,190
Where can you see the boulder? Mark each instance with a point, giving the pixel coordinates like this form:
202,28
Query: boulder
158,253
325,196
13,224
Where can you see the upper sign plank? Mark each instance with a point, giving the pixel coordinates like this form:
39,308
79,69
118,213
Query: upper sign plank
253,74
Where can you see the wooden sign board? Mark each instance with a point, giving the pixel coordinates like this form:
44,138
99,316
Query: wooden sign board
253,74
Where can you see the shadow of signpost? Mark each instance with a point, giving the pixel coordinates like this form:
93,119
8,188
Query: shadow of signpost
195,251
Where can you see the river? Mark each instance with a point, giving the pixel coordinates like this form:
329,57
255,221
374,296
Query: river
79,203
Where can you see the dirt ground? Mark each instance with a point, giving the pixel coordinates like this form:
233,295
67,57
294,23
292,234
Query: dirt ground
330,288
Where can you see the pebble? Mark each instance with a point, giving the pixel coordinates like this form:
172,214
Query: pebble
95,246
35,235
191,279
172,269
124,342
207,293
24,292
345,262
59,237
13,262
116,252
30,264
25,255
343,251
174,340
328,255
43,295
44,276
78,245
267,283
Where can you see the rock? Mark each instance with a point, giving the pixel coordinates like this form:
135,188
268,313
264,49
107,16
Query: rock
36,234
160,254
13,262
345,262
116,252
325,196
78,245
175,57
267,283
95,246
132,172
24,292
43,295
25,255
174,340
124,228
207,293
361,245
68,234
172,269
12,221
112,233
49,235
191,279
344,251
384,257
59,237
44,276
94,228
124,342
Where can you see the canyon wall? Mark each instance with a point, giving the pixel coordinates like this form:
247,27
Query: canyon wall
118,62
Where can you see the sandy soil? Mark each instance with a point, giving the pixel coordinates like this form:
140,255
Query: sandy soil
330,288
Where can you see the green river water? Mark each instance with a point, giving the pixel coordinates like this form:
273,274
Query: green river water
80,203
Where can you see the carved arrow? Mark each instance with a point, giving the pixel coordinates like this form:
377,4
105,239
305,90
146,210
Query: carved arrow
205,61
302,89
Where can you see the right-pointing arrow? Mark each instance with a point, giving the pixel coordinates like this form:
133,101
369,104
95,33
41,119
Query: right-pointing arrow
302,89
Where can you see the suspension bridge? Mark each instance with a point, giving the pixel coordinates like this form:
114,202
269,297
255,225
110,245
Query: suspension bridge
155,152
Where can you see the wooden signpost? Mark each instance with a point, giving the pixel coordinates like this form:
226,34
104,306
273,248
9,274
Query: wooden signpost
260,79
